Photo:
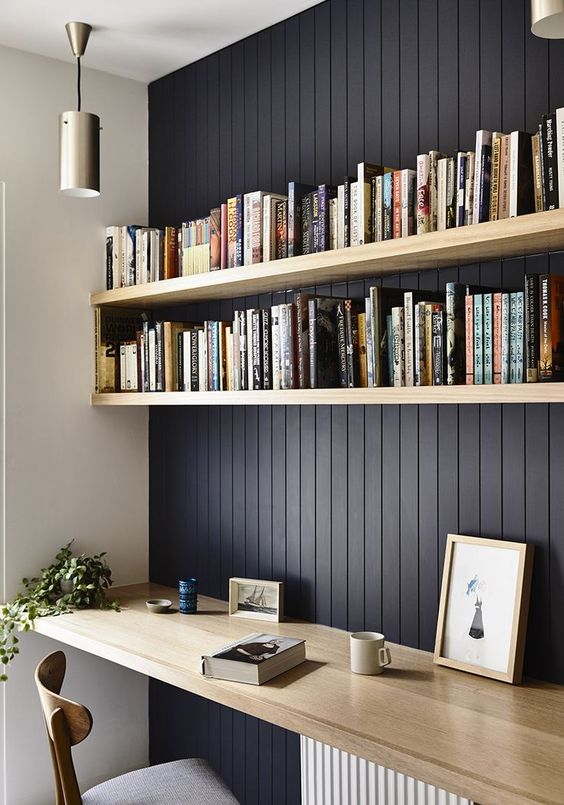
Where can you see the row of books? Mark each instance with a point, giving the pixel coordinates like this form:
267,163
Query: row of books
393,337
504,176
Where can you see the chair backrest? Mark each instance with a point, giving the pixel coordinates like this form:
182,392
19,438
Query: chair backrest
68,723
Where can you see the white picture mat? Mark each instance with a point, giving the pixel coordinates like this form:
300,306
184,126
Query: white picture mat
497,572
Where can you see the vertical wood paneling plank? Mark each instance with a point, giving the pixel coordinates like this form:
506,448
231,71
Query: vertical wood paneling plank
448,75
307,131
201,184
293,535
190,192
214,493
307,514
355,84
225,131
292,96
264,110
214,152
278,107
339,159
555,670
490,66
226,499
251,759
372,81
239,756
373,517
355,500
468,72
279,775
409,80
238,133
239,492
513,64
251,493
390,84
203,489
428,75
339,537
322,93
265,492
250,95
323,514
409,534
279,492
391,521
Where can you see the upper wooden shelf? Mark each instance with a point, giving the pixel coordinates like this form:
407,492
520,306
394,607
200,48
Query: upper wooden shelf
433,395
493,240
491,742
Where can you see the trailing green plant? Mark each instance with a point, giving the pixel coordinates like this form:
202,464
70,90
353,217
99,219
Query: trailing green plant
89,579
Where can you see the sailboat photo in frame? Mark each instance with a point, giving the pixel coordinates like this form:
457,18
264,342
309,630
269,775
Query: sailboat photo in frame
256,598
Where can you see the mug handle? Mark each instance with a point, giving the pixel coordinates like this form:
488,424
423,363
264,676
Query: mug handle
383,655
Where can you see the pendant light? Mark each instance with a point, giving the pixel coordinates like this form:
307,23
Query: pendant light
547,18
79,133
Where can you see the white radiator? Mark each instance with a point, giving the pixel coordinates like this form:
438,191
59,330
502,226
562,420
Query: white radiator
332,777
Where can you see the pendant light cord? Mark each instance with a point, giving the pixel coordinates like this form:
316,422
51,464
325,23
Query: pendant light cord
78,82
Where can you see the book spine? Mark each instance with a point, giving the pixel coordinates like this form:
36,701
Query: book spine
323,220
349,343
519,336
194,362
369,343
398,346
494,189
256,228
390,348
159,346
497,337
545,361
488,338
388,206
438,345
275,345
408,338
550,162
537,173
377,336
281,230
478,339
397,203
469,321
294,233
284,348
347,211
532,327
223,237
243,351
268,229
428,344
505,337
141,361
461,162
378,211
353,215
513,338
307,220
314,244
423,219
256,349
291,346
109,258
122,368
469,189
340,216
442,194
362,356
303,340
419,344
434,156
266,350
451,194
342,345
247,228
312,333
408,182
454,335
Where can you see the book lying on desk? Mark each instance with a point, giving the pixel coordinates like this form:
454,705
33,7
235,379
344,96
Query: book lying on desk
254,659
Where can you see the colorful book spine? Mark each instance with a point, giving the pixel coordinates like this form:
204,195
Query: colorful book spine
388,206
478,339
409,339
494,186
455,347
419,344
550,165
235,231
362,351
559,137
497,336
396,204
442,171
505,337
408,180
438,345
325,194
428,344
469,328
469,189
488,338
532,327
537,172
551,363
451,184
369,343
223,237
461,163
341,216
422,198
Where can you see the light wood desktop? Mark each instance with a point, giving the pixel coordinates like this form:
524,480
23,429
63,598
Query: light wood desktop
485,740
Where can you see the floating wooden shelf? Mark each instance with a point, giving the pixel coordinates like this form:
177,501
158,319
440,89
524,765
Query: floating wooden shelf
493,240
519,393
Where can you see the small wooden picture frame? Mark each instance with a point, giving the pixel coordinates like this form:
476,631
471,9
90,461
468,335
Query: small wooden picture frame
256,598
484,607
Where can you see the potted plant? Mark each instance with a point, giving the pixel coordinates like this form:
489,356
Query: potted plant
71,582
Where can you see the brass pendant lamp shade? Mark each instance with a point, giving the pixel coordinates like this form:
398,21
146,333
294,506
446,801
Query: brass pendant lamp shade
79,134
547,18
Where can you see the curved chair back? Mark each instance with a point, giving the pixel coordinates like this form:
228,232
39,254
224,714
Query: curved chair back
68,723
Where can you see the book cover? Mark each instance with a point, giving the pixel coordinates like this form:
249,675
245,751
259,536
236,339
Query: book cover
352,309
296,192
112,327
455,333
130,254
531,327
551,363
521,189
422,198
382,301
270,224
171,329
254,659
252,227
488,338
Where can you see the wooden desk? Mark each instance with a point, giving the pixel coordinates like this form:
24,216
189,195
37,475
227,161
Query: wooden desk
485,740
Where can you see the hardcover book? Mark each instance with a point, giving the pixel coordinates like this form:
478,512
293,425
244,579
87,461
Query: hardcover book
550,166
296,192
521,190
235,231
551,363
532,327
482,176
323,342
112,327
254,659
422,196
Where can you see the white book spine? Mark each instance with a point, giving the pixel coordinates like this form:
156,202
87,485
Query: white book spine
122,368
398,346
442,194
354,225
513,174
341,216
434,157
362,212
333,223
236,357
422,194
247,229
369,342
408,338
131,367
408,178
560,154
267,228
469,189
249,315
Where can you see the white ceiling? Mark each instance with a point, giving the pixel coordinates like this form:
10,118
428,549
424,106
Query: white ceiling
141,39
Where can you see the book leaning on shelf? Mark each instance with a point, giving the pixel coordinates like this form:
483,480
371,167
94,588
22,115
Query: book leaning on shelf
254,659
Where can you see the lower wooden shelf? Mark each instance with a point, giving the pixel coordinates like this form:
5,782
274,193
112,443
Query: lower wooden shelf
461,395
485,740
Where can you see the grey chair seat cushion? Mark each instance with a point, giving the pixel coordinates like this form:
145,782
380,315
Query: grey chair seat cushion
183,782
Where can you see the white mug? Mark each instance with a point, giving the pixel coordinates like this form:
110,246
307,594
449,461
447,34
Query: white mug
368,653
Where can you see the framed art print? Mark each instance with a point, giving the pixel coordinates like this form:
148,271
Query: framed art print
484,606
253,598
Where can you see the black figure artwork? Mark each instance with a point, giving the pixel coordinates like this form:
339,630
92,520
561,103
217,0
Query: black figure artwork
477,628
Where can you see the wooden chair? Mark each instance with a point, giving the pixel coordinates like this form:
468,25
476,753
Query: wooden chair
182,782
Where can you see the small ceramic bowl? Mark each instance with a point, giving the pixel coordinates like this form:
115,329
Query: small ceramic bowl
158,605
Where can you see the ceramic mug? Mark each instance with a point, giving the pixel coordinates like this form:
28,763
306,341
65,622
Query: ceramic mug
369,655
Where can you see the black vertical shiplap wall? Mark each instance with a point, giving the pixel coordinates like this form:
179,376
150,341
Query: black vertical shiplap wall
350,506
